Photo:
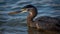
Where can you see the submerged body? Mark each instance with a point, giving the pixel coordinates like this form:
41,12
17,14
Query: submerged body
44,22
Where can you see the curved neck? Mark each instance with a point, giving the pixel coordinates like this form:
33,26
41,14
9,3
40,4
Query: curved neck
32,14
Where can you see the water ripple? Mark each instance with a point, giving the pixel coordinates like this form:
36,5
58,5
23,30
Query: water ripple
16,24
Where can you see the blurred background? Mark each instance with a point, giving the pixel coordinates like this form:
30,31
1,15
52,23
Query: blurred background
16,24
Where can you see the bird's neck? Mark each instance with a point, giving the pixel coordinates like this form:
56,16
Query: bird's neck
32,14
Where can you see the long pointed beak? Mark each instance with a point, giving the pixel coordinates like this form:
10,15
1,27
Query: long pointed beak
16,12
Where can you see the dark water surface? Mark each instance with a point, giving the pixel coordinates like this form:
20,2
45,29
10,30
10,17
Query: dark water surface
16,24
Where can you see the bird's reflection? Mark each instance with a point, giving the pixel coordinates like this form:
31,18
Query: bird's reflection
34,31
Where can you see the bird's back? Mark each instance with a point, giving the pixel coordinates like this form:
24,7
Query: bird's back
46,22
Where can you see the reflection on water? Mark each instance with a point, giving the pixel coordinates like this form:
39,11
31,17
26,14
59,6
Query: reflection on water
34,31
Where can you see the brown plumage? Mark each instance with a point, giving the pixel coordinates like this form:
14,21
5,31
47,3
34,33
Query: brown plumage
44,22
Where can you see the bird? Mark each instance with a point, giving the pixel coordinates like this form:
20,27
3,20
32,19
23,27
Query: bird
42,22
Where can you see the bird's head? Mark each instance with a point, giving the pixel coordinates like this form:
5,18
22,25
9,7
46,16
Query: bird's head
28,8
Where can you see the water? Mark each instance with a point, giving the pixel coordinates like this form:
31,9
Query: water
16,24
